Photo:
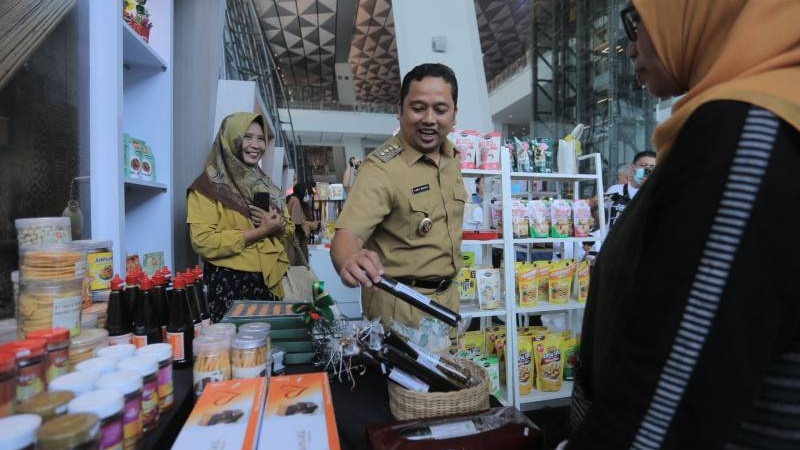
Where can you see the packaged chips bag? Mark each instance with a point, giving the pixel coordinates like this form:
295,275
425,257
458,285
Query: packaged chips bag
583,281
560,218
547,357
465,280
542,280
527,288
525,363
560,280
582,218
472,344
490,295
539,218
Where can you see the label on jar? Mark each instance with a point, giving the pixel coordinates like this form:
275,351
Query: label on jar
67,314
132,416
150,403
165,388
111,433
57,363
249,372
121,339
201,379
101,269
139,341
176,342
30,381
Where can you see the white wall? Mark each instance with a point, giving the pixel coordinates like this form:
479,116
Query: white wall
346,122
417,22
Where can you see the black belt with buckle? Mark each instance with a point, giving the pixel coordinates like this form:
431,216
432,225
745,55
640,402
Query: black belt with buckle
438,284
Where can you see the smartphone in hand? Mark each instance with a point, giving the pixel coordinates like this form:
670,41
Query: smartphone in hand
261,199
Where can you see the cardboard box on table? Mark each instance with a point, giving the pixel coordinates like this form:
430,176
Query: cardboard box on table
288,330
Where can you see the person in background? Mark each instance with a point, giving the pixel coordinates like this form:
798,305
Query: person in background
240,243
624,174
619,195
299,203
691,338
404,216
477,196
350,173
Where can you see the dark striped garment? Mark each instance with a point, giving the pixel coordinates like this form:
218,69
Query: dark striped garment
692,331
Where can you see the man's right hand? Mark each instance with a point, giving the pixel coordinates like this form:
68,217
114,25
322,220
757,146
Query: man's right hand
356,265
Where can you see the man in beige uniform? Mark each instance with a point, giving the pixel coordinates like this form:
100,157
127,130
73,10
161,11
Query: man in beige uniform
404,216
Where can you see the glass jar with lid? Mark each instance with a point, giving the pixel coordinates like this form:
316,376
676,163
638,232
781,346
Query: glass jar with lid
70,432
30,356
259,327
118,351
100,365
107,405
18,432
162,352
84,345
47,405
76,382
211,360
147,367
248,355
57,339
129,384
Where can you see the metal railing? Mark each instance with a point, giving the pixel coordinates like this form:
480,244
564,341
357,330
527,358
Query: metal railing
510,72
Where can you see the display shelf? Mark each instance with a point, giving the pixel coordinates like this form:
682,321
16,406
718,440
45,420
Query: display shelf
570,240
553,176
546,308
502,396
538,396
144,184
483,242
136,52
476,172
474,311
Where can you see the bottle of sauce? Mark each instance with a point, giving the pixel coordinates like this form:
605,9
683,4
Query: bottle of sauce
199,287
118,320
146,329
159,294
180,329
131,293
180,280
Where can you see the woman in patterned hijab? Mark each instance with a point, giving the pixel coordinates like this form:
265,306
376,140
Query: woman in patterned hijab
240,243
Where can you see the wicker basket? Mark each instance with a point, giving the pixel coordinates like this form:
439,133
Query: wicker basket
406,404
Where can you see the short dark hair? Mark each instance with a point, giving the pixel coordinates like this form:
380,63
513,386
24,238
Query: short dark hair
644,154
429,70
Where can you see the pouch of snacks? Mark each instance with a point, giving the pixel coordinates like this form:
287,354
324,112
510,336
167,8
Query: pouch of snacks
525,363
583,281
560,280
490,296
497,214
466,284
472,344
500,351
523,155
542,280
489,151
492,365
519,218
561,218
547,356
527,287
539,211
582,218
465,142
569,352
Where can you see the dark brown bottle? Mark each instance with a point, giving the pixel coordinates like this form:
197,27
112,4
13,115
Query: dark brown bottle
160,303
442,364
131,293
180,329
146,329
118,321
376,359
199,286
193,288
436,381
419,301
194,314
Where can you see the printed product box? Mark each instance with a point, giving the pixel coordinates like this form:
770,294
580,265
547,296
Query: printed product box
299,414
226,416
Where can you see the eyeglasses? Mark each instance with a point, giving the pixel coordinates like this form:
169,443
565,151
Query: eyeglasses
630,21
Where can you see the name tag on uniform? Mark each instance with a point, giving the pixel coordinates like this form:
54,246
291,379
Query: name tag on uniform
423,188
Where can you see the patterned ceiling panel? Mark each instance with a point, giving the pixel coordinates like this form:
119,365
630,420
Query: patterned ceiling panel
301,35
505,31
373,53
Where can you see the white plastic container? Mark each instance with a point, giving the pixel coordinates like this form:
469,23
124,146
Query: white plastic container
129,384
107,405
162,352
76,382
43,230
18,432
99,365
118,352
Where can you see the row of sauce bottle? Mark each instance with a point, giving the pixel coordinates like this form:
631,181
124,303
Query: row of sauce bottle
159,309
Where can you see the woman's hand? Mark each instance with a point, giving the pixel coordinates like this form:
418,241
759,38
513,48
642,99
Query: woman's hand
268,223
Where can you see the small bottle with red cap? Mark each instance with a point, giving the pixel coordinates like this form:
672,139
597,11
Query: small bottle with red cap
30,357
57,339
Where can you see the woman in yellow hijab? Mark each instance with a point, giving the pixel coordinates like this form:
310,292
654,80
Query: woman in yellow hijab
240,243
691,337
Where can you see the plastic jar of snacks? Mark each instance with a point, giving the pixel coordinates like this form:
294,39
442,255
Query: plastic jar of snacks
228,330
76,382
85,344
8,383
70,432
147,368
107,405
19,432
248,355
99,263
259,327
129,384
162,352
30,356
51,262
43,230
211,361
57,350
99,365
47,405
118,352
45,304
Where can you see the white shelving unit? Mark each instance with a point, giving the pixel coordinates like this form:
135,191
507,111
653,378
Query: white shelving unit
512,312
130,91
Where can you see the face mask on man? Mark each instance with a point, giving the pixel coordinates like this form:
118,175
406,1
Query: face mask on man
642,173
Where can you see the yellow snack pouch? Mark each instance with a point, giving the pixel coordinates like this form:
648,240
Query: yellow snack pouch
561,283
541,277
547,353
525,364
583,281
527,289
472,344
